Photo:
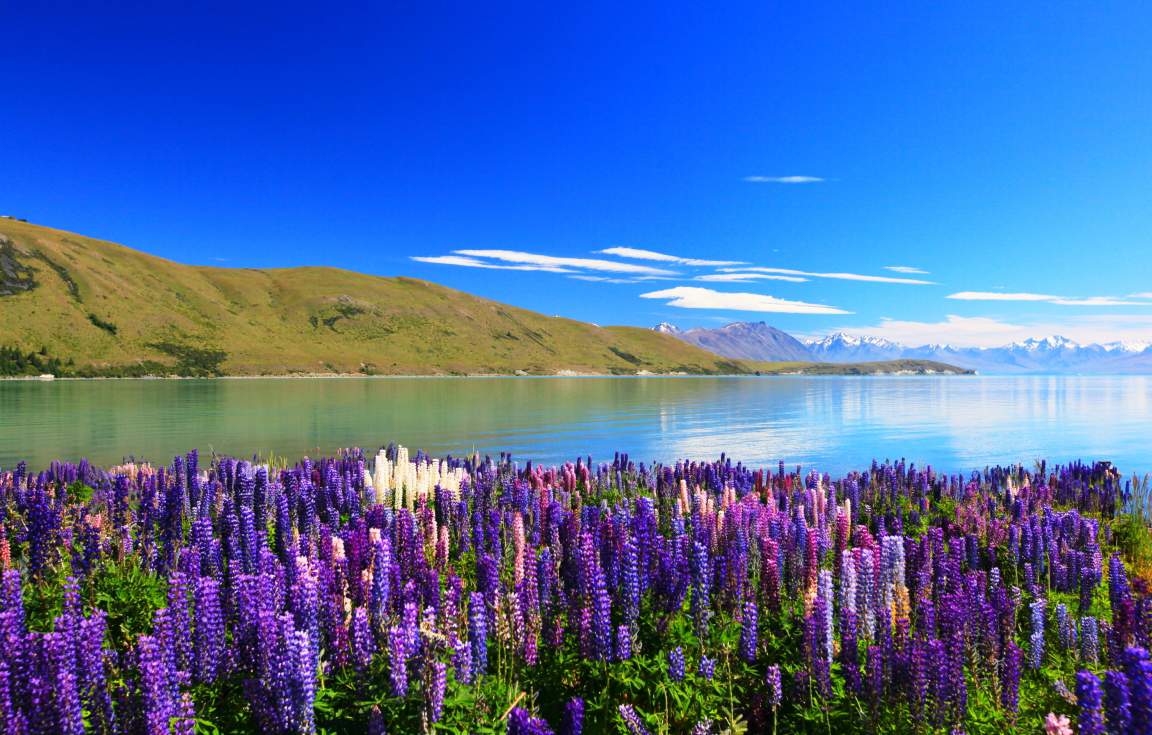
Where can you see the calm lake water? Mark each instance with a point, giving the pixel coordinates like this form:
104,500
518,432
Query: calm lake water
833,424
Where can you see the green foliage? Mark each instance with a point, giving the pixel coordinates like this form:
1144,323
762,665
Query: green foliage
14,362
130,595
108,327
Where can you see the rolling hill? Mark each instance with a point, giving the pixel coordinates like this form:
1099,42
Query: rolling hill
91,307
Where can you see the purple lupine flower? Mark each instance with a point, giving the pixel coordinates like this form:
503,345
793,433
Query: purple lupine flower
521,722
701,589
304,667
623,642
376,722
363,642
1010,678
1036,649
632,721
707,668
208,630
62,659
398,660
573,721
1138,669
676,664
438,683
478,634
1089,640
1117,702
1089,699
775,686
749,631
156,683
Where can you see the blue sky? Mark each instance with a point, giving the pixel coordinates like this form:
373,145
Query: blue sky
1000,148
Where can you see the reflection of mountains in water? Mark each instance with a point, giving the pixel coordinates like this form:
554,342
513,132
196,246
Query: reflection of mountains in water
760,341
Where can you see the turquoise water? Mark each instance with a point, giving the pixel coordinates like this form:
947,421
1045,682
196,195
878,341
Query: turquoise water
834,424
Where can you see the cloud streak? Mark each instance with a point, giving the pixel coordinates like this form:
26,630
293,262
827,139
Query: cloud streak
837,276
693,297
552,261
473,263
784,179
1045,298
905,269
747,278
641,254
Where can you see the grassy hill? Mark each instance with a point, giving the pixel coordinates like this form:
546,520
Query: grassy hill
76,305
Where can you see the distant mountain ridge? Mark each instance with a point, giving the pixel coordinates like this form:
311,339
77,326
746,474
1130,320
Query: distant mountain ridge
749,340
1053,354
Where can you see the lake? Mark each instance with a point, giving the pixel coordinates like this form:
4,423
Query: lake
830,423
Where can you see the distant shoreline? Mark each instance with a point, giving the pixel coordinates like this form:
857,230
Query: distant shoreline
349,376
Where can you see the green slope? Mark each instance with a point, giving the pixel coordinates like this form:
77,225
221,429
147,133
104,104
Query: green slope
103,308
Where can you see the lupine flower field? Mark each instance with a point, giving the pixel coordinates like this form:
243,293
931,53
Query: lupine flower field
402,594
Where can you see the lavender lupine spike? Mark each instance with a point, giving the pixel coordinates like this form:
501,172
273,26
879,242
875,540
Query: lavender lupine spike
749,631
632,721
775,687
676,664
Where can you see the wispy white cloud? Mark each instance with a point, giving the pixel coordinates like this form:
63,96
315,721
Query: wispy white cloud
1045,298
473,263
640,254
999,296
838,276
905,269
784,179
1141,295
693,297
960,331
747,278
610,279
552,261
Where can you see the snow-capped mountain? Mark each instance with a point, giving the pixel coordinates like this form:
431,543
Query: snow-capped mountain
841,347
1053,354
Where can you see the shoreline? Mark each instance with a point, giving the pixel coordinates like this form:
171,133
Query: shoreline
469,376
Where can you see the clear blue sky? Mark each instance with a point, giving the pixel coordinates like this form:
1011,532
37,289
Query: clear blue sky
1003,148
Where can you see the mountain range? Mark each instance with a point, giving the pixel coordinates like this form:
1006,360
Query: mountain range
75,305
1055,354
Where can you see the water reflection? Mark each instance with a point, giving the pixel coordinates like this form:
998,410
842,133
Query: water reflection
832,423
